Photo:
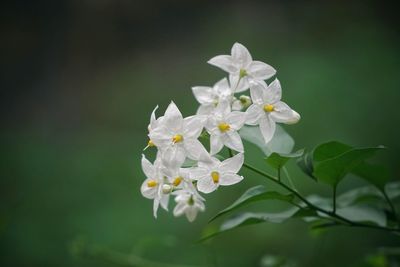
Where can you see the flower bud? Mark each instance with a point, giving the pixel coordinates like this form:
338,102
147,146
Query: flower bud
166,188
245,101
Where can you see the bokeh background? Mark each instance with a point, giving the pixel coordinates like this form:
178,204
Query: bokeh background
80,78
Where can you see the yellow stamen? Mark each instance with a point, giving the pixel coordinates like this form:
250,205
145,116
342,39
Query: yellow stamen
177,138
224,127
177,181
269,108
151,183
215,177
150,143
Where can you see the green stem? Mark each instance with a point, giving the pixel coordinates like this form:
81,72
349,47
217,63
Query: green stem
316,208
334,199
279,174
392,208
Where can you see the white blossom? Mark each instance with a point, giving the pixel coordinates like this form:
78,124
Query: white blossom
176,137
152,187
213,173
267,108
223,126
189,202
242,68
209,97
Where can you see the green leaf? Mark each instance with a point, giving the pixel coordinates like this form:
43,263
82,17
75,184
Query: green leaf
363,214
377,175
329,150
255,194
359,195
250,218
282,142
331,169
393,190
277,160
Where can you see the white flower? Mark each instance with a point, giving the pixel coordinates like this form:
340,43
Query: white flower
176,137
152,187
213,173
267,109
209,97
152,125
223,127
177,177
189,202
242,68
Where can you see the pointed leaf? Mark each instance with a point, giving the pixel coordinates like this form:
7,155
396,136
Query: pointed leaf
363,214
249,218
255,194
377,175
331,169
277,160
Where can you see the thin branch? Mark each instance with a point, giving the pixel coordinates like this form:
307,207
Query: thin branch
312,206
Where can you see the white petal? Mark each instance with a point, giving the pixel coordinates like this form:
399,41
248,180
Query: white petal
273,93
153,123
164,201
237,105
148,168
253,114
148,192
284,114
203,94
198,173
205,109
222,88
206,185
223,108
215,144
193,125
267,128
173,117
174,156
156,204
224,62
257,92
230,179
194,149
260,70
241,55
179,209
191,213
238,85
233,141
236,119
161,136
233,164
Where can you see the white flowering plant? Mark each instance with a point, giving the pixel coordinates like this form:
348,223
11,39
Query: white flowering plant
187,171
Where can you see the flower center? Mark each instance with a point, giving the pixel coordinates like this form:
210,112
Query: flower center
242,73
269,108
150,143
177,138
224,127
177,181
151,183
215,177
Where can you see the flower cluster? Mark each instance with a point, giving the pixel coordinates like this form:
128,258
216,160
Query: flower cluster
221,115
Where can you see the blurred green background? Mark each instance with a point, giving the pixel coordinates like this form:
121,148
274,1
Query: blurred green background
80,78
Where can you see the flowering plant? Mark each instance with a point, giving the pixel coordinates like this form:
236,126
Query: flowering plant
184,168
